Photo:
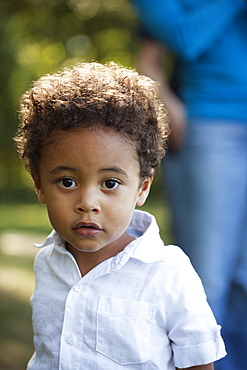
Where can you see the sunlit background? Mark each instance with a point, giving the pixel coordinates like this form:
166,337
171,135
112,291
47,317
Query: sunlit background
37,37
40,36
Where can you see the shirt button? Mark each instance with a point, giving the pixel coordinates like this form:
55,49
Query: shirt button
78,288
71,339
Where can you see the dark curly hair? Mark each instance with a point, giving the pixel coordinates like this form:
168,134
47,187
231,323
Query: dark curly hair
91,94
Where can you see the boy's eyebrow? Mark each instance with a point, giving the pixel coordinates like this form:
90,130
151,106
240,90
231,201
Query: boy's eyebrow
115,169
58,169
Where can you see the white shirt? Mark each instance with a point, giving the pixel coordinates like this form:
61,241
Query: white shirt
145,308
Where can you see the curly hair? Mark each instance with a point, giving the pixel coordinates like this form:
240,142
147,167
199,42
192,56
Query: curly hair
91,94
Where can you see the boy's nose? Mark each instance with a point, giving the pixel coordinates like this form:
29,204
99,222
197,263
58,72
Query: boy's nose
87,202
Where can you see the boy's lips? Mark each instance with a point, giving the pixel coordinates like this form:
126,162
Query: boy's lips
87,228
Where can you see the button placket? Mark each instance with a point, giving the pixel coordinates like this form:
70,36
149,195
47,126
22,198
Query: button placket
78,288
71,339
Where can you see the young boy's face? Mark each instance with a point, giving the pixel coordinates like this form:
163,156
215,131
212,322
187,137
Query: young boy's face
90,182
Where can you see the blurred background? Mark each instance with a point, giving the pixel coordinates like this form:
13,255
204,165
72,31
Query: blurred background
37,37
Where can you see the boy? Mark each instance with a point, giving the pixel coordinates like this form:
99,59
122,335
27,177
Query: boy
109,294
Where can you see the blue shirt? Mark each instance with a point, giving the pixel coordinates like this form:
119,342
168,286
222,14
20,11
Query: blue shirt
209,38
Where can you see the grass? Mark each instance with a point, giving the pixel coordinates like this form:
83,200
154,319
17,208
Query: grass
20,226
24,217
17,222
16,286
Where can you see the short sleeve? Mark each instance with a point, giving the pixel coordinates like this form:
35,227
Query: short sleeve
193,331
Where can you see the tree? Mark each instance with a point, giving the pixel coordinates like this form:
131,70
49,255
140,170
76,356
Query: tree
41,36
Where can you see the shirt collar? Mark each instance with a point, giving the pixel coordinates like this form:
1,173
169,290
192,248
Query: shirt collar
52,238
147,246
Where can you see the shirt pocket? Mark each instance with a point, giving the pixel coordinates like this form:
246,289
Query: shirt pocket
124,329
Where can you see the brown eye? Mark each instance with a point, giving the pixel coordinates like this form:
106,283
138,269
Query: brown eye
111,184
67,183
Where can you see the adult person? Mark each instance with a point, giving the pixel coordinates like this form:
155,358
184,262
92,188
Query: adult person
206,175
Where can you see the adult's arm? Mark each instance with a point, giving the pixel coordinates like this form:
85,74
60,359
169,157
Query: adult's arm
150,62
188,32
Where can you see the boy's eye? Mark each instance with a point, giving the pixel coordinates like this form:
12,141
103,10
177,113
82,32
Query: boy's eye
110,184
67,183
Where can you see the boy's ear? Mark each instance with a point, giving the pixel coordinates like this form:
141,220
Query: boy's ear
144,190
38,189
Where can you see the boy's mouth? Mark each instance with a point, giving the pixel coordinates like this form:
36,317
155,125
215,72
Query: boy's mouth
87,224
87,228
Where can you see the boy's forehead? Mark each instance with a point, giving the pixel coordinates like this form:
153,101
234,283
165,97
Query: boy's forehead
87,152
99,132
97,138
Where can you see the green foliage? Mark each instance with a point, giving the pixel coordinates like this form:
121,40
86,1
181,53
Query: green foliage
40,36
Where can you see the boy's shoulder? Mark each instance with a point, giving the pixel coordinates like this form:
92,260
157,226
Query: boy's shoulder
172,258
174,254
151,248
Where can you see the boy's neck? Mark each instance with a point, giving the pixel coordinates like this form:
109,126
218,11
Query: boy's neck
86,261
